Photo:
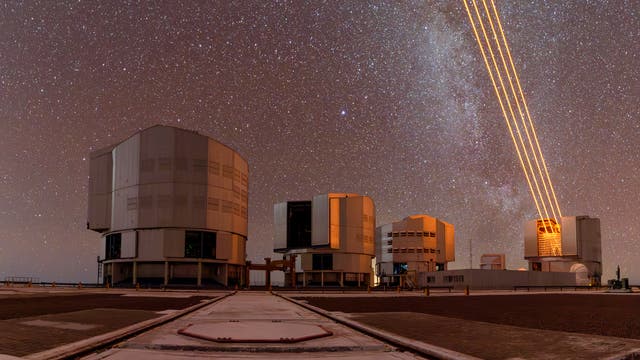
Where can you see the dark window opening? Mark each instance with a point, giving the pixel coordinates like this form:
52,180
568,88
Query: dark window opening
322,261
454,278
440,267
298,224
536,266
200,244
400,268
113,246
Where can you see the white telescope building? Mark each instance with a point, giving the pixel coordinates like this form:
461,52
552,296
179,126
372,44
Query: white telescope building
332,237
171,207
572,245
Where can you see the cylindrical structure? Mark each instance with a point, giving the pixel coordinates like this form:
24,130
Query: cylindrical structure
171,205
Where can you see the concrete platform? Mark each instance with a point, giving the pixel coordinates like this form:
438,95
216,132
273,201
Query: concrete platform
255,332
166,342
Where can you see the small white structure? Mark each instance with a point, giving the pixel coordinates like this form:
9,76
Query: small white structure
492,262
498,279
171,206
332,237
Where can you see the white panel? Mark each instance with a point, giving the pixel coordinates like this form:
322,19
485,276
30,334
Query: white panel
280,225
298,264
590,239
320,220
223,246
223,218
150,245
103,247
156,155
223,157
126,158
173,241
129,244
306,261
124,214
124,210
100,177
99,211
569,236
191,154
351,262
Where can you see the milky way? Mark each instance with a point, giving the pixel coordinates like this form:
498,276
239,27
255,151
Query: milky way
386,99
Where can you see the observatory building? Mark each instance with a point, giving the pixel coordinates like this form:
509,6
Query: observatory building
407,249
331,237
572,245
171,207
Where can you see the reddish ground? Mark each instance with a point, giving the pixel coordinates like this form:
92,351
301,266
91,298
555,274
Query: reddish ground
102,312
23,306
596,314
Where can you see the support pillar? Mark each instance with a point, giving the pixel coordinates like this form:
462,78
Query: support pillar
267,281
304,279
341,279
247,275
135,273
226,274
199,281
166,273
322,278
292,268
359,279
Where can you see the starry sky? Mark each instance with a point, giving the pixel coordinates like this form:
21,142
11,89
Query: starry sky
384,98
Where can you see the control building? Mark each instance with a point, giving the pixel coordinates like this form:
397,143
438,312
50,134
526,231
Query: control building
331,236
171,207
572,245
406,250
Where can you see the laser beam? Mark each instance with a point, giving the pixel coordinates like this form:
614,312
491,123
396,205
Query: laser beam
529,152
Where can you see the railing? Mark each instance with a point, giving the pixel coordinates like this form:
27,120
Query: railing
13,281
556,287
21,279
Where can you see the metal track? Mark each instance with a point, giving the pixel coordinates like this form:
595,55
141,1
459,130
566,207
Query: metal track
402,343
105,341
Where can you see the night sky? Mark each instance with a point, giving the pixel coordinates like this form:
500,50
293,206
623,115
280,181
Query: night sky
385,98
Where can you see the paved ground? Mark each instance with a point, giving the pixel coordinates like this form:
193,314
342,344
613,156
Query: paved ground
491,325
540,326
33,320
270,317
590,313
